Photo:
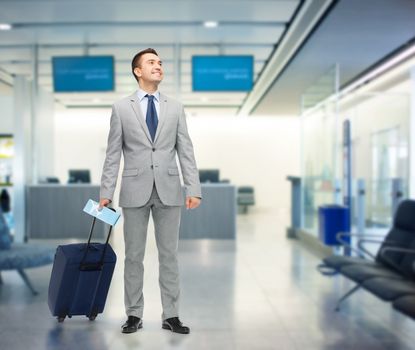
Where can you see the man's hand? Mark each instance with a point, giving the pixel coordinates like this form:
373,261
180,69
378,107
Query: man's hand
192,202
103,202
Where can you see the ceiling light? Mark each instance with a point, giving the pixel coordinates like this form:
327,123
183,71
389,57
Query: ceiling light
380,70
210,24
5,26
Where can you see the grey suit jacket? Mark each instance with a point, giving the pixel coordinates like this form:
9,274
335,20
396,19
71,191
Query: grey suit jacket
145,162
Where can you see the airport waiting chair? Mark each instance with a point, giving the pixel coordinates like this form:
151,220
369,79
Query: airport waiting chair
382,286
246,198
405,305
389,274
21,256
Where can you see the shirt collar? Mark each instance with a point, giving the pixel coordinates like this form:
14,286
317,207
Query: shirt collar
142,94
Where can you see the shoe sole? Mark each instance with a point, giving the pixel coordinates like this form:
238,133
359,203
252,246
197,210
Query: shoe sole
133,331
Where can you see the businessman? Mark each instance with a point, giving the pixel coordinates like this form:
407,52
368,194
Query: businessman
149,129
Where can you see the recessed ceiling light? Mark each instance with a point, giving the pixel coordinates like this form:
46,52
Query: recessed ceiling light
210,24
5,26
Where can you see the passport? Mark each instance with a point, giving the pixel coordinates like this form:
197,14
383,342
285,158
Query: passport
106,215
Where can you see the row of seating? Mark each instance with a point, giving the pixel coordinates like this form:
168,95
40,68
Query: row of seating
390,274
21,256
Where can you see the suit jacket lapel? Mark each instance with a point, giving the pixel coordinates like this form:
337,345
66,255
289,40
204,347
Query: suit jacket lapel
162,117
137,110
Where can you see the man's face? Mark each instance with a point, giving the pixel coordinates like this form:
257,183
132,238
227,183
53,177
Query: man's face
150,68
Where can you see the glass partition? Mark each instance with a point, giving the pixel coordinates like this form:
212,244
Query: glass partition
380,151
319,139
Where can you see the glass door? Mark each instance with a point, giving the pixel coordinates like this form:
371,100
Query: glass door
386,166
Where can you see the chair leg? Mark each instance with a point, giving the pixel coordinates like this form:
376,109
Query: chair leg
348,294
27,281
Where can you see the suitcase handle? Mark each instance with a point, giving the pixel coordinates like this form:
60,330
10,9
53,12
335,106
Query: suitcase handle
90,247
98,266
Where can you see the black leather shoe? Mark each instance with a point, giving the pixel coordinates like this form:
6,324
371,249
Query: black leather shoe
132,325
175,326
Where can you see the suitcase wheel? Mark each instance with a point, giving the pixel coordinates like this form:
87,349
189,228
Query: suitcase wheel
61,319
92,317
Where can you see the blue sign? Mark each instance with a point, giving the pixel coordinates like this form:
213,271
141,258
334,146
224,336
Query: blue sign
83,73
222,73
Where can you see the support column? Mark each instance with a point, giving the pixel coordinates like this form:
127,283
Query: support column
412,136
34,112
22,164
177,70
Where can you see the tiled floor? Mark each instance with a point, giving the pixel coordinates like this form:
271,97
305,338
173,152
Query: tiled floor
260,292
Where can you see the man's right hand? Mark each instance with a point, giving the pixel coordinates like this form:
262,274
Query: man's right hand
103,202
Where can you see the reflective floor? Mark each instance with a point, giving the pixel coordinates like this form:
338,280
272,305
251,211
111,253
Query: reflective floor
260,292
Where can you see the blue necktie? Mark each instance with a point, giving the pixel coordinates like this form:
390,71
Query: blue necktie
151,117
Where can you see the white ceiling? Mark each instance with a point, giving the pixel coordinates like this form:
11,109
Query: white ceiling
355,34
121,28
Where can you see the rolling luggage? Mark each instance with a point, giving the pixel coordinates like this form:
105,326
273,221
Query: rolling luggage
80,279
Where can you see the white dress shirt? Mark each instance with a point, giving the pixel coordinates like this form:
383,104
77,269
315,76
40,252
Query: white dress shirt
144,102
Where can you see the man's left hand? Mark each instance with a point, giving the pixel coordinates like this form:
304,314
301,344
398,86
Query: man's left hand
192,202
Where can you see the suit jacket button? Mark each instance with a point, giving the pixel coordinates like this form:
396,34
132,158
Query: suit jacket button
151,167
154,149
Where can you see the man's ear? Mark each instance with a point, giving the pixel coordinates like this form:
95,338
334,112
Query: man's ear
137,72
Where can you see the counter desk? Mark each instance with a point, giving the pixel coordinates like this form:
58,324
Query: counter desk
55,211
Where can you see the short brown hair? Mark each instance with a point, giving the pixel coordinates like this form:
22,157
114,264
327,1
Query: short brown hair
136,60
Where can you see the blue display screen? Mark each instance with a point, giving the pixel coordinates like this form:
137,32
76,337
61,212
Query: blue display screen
83,73
222,73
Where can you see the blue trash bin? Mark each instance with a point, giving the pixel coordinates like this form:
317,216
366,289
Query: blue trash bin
333,219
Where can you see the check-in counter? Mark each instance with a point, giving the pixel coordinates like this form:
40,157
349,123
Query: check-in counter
55,211
216,216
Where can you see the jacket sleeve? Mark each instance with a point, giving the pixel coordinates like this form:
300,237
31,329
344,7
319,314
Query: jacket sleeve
112,158
187,160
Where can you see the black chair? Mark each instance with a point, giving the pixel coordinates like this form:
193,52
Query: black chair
406,305
390,263
389,290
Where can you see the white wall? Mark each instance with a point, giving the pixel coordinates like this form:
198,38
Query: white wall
257,151
44,135
80,141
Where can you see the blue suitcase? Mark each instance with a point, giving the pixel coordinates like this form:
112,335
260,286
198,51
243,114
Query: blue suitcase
80,279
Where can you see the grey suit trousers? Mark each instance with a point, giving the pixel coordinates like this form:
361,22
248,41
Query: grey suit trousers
166,224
